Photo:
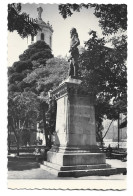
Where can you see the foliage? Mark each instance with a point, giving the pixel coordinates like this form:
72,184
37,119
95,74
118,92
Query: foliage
49,76
26,136
16,77
10,71
68,9
39,46
22,85
26,96
22,111
104,73
51,116
38,53
23,107
20,66
43,109
21,69
13,88
20,21
112,17
45,79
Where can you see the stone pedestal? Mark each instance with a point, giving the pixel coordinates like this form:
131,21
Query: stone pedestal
75,152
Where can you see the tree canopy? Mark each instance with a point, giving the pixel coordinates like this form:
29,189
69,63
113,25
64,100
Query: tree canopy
38,53
24,101
49,76
24,107
112,17
21,22
104,73
27,86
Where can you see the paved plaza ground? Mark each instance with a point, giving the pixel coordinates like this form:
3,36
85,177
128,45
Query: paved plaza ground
30,169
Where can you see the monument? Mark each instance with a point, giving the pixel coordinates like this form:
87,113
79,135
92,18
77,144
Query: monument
75,151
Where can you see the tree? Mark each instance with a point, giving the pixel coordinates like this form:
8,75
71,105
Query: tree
51,117
99,132
43,110
26,136
13,88
21,22
20,69
23,109
34,88
47,78
38,53
105,68
22,86
20,66
105,74
23,94
16,77
112,17
50,76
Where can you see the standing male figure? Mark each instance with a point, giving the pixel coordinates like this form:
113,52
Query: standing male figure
73,69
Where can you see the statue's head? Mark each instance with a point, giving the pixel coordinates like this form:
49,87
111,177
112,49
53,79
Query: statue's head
73,31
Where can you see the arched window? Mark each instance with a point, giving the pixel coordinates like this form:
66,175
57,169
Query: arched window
42,36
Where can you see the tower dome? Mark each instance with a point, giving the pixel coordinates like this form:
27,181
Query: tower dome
46,30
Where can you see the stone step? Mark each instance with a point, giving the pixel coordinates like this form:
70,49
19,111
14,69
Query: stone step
75,167
85,172
26,156
30,157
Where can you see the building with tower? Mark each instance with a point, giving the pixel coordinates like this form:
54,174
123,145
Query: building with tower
46,30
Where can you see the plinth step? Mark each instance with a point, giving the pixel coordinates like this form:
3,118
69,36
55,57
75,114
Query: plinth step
75,167
84,172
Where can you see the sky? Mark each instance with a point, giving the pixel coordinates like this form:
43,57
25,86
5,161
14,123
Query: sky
83,21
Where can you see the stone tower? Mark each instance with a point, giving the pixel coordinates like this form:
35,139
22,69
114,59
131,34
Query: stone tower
46,33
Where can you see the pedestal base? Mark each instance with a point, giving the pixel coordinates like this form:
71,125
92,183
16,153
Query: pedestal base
78,164
74,159
80,170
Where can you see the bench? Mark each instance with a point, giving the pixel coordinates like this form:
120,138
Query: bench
120,156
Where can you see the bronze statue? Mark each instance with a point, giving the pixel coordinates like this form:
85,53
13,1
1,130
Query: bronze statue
73,67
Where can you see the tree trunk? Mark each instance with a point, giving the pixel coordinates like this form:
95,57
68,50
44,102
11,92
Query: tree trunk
18,147
44,124
100,137
16,135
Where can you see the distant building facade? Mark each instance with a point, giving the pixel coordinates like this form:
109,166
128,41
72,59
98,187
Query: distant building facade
112,135
46,30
